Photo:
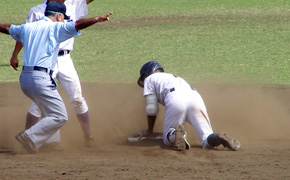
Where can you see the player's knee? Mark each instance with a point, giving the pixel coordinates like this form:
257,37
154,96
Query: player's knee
60,121
77,101
79,104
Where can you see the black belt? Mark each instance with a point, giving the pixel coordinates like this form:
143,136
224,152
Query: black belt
63,52
37,68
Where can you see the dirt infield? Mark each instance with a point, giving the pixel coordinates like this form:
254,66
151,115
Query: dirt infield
258,116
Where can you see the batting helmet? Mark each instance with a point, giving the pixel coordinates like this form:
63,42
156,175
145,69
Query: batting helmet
148,69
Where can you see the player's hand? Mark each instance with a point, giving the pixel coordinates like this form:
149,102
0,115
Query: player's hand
104,17
14,62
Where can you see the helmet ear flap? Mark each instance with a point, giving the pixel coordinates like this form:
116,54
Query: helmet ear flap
140,81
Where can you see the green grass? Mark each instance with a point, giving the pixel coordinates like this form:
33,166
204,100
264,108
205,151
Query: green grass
222,41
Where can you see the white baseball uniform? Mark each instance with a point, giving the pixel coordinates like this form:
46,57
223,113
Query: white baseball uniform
64,70
182,104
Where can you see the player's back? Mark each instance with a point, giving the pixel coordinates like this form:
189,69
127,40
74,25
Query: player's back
164,84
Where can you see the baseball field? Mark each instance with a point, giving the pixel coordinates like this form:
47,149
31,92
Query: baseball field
235,53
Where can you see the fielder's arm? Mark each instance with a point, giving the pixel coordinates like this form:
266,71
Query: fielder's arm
89,1
4,28
86,22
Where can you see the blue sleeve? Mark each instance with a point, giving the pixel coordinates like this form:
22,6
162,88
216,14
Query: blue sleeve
15,32
67,30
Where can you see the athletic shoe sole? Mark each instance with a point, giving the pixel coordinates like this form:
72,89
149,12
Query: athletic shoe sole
26,142
229,142
180,139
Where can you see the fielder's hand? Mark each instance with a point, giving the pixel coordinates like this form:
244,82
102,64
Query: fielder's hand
104,17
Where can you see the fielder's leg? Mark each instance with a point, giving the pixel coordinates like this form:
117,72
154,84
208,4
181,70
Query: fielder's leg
85,124
69,80
30,120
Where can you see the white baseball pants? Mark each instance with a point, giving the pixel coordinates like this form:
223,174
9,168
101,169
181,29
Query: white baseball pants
187,107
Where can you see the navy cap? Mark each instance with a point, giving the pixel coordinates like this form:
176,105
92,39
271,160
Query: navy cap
57,7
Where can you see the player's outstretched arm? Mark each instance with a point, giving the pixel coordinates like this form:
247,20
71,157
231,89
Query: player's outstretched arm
86,22
89,1
4,28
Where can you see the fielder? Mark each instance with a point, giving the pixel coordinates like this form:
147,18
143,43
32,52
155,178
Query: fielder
182,104
41,41
64,71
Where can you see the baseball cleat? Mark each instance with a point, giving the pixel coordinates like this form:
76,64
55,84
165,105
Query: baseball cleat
23,138
229,142
180,143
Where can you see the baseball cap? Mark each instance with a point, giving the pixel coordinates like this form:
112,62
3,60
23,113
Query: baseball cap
57,7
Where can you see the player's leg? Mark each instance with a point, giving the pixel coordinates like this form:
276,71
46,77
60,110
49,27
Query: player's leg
32,117
53,143
174,133
55,116
34,113
197,116
69,80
